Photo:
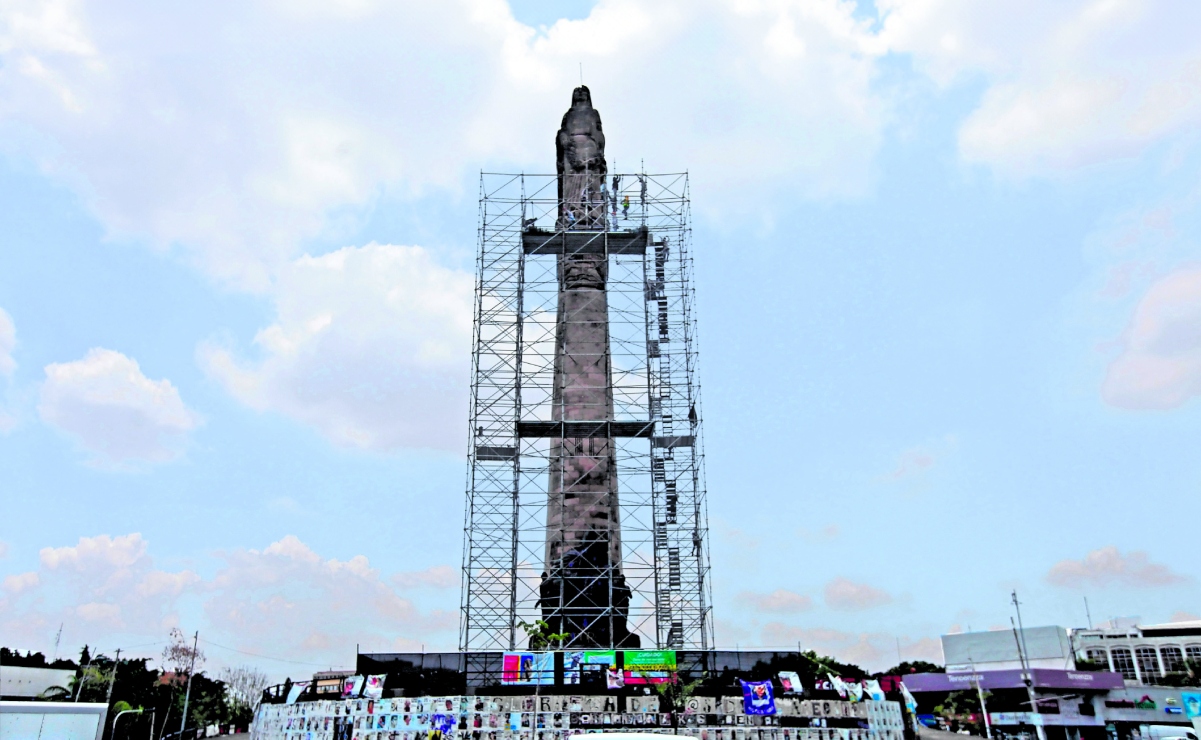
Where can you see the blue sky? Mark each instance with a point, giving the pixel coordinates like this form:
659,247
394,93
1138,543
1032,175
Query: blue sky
948,270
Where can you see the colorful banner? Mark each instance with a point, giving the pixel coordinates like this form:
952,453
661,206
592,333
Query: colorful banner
757,697
791,682
1192,704
910,702
527,669
650,666
352,686
574,661
374,688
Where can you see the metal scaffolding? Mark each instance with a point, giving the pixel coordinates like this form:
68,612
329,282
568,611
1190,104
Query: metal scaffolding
656,424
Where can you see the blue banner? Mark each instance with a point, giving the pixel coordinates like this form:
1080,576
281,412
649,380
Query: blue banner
757,697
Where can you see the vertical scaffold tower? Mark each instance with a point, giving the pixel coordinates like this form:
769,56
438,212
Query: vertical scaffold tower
656,419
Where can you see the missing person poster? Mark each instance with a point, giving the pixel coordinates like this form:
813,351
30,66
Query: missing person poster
650,666
527,669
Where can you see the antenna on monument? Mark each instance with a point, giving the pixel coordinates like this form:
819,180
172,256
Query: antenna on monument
581,73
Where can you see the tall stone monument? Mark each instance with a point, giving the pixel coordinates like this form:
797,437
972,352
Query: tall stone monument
583,592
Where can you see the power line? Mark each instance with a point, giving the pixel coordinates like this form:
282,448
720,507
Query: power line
264,657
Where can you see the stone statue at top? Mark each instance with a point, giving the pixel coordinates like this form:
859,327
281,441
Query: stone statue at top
580,150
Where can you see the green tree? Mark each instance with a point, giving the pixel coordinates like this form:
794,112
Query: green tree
914,666
673,696
541,638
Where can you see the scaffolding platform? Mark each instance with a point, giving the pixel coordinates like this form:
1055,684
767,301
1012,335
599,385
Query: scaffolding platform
655,428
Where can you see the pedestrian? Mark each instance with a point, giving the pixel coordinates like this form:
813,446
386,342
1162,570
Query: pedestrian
570,218
642,181
625,207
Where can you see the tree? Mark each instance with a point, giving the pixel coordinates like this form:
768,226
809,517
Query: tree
244,686
541,638
912,666
180,656
959,704
674,695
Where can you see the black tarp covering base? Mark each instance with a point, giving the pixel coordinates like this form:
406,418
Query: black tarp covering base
451,674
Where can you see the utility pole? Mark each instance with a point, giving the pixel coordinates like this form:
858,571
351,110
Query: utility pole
983,706
183,722
113,681
1019,637
83,676
1087,613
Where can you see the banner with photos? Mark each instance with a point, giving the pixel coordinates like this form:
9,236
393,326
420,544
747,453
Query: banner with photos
374,688
790,681
527,669
352,686
574,663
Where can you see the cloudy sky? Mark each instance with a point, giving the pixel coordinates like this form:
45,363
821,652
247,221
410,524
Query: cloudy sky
948,269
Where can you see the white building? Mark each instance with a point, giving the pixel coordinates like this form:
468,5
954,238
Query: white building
1143,654
997,650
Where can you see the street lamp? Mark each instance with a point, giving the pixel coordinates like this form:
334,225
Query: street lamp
127,711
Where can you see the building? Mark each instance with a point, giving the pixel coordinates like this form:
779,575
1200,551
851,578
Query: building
1143,654
1056,695
20,682
997,650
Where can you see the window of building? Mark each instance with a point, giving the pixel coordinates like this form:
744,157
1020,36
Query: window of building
1193,652
1123,663
1148,662
1173,659
1099,657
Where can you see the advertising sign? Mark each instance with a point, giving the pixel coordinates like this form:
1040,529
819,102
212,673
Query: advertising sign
574,662
650,666
519,669
757,697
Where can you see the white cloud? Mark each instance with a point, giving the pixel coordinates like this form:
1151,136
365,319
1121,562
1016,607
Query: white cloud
284,600
1069,84
780,601
101,584
438,576
846,595
238,149
1109,567
371,346
1160,363
114,411
287,600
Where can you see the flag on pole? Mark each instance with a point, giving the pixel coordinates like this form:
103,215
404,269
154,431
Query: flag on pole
757,697
838,685
855,689
874,692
